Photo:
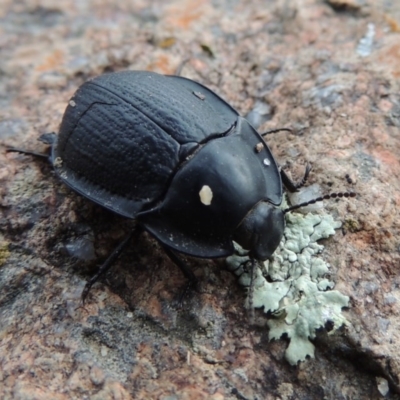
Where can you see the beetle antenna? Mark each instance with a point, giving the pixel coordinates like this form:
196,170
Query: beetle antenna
326,197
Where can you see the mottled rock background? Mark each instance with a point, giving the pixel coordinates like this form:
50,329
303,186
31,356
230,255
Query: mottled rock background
328,69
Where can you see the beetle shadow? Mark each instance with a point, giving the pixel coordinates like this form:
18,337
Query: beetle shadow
140,275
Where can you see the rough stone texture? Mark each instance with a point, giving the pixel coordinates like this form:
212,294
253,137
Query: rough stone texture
318,67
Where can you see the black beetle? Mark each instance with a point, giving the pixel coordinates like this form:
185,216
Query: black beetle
172,155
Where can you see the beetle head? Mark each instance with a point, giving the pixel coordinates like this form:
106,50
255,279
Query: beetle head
261,230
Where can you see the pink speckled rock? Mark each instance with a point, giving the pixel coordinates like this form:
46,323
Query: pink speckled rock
132,340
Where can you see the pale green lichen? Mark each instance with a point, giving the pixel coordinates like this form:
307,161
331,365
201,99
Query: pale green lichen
298,293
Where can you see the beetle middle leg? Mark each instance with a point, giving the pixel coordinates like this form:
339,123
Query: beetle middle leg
249,266
190,276
136,231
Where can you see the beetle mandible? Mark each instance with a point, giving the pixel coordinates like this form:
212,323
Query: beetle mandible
171,154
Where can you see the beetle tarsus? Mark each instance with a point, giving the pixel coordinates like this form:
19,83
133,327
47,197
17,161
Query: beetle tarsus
108,263
190,285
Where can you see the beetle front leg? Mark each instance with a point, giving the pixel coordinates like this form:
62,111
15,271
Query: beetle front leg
292,186
289,184
179,69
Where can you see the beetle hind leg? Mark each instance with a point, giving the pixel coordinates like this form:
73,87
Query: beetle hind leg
46,138
27,152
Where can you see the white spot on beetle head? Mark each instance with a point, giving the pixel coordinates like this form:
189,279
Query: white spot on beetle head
72,103
206,195
267,162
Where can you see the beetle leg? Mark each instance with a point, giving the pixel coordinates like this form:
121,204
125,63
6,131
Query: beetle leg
276,130
292,186
29,153
109,262
251,291
190,276
181,264
179,69
46,138
289,184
